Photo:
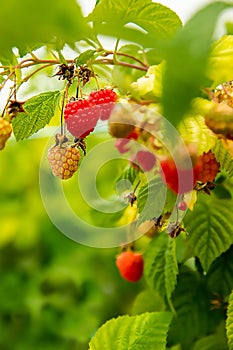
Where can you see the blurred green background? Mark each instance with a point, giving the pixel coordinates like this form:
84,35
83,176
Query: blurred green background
54,293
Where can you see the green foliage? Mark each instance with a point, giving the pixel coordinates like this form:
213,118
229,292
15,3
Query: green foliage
85,56
220,275
187,57
161,266
194,130
155,21
38,112
56,293
211,342
220,61
147,301
224,157
229,322
151,199
193,315
28,27
209,228
146,331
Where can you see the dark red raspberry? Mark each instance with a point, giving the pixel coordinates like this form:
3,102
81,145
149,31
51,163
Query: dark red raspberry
80,117
105,99
209,167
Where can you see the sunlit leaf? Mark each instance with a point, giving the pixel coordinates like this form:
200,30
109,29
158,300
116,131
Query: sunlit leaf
38,112
223,156
146,332
153,21
220,64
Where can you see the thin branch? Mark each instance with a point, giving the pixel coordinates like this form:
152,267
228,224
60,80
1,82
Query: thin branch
35,71
124,64
125,55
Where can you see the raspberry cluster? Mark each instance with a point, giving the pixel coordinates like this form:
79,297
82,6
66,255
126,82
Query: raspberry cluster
63,160
5,132
208,167
130,265
81,116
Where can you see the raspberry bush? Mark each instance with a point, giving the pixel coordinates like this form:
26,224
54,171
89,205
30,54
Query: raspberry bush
147,125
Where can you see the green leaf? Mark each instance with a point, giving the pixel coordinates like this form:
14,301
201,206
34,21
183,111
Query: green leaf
151,199
220,64
210,228
229,322
84,57
147,301
194,130
38,112
145,332
211,342
187,58
223,156
160,265
130,174
47,22
193,315
154,21
220,275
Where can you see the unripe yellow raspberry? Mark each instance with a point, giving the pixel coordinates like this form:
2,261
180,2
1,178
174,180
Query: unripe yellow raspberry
63,160
5,132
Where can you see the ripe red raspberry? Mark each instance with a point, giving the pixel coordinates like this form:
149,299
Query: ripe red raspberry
208,167
178,180
130,265
146,160
105,100
80,118
63,160
5,132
